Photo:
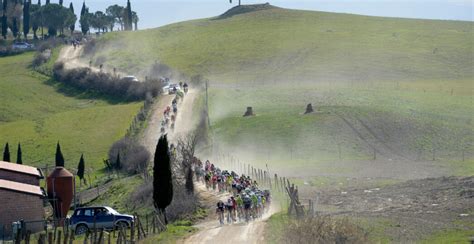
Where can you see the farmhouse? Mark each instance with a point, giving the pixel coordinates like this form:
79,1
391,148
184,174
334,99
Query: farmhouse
21,202
20,173
21,197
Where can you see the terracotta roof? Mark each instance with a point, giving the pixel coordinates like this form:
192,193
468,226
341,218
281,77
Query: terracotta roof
21,169
20,187
60,172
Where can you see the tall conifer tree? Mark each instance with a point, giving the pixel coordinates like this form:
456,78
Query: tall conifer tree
19,159
26,18
81,168
59,156
162,177
6,153
73,26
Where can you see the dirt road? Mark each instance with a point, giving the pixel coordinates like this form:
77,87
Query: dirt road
73,58
212,232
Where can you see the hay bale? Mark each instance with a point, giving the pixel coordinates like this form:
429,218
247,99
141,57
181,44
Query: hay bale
309,109
249,112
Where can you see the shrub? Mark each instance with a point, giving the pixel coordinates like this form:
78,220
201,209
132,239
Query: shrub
133,156
182,206
39,59
123,89
323,229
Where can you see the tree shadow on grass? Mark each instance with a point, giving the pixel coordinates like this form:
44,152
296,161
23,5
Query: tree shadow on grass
70,91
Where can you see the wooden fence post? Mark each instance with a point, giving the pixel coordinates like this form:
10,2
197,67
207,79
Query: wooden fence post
66,236
41,239
86,237
58,239
27,237
50,238
71,240
132,231
153,223
146,219
277,186
101,236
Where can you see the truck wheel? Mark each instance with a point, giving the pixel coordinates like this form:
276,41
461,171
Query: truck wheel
81,229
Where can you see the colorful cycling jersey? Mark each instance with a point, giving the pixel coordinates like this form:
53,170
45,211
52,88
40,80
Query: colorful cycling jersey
254,199
239,201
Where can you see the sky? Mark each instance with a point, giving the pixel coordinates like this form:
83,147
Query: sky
155,13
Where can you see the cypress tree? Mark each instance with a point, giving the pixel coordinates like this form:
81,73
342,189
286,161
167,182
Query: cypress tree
26,18
19,159
47,2
81,168
15,27
118,164
128,24
59,156
83,9
6,153
61,2
4,25
162,177
39,2
84,20
4,20
73,26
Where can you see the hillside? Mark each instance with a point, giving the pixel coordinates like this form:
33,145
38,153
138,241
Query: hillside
399,88
291,45
38,113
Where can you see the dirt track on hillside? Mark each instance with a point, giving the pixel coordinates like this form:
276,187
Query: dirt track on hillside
210,231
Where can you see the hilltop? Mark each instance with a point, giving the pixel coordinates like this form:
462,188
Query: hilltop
259,43
242,9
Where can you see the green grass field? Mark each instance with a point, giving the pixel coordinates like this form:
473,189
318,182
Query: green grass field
409,81
38,112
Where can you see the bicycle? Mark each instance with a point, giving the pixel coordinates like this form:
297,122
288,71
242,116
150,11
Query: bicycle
229,216
220,215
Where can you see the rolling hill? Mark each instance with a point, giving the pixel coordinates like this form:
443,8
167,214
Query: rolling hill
37,112
397,88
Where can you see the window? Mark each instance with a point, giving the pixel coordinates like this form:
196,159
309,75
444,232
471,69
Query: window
89,212
100,212
79,212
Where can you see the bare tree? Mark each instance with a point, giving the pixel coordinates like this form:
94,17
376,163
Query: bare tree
187,147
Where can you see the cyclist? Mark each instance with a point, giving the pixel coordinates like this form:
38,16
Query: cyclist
247,207
234,208
220,212
240,206
254,205
229,207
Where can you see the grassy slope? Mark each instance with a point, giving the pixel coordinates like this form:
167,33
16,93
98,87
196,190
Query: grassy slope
409,80
310,45
35,114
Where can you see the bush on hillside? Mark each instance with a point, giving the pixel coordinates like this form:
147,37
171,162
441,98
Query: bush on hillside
106,84
323,229
8,51
182,206
40,58
133,156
